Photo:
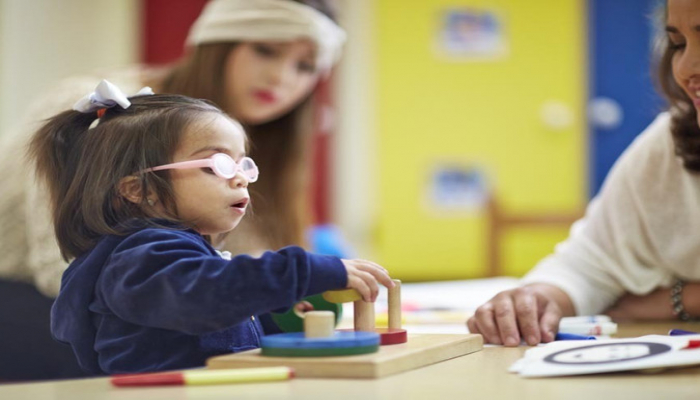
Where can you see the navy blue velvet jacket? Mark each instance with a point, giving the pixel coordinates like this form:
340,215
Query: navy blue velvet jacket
160,299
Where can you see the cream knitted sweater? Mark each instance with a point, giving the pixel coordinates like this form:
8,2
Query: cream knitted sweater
640,233
28,246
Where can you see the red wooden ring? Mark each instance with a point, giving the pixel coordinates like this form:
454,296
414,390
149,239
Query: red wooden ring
391,336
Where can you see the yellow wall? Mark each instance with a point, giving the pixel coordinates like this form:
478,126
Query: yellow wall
432,109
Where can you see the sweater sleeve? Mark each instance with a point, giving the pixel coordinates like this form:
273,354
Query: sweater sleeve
170,279
609,251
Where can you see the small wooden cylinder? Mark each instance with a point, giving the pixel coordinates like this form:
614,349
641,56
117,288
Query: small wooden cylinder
364,316
395,305
319,324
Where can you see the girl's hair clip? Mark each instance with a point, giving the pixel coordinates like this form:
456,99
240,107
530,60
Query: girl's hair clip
106,95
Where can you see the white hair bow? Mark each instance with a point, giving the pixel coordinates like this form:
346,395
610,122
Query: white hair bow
107,95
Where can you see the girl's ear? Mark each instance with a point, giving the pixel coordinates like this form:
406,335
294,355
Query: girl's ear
130,189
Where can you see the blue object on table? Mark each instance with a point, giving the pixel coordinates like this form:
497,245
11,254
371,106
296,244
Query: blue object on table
571,336
327,239
680,332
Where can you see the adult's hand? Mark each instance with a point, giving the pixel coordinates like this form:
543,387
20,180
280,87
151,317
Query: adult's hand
531,312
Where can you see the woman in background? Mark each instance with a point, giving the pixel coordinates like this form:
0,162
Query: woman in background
260,60
636,253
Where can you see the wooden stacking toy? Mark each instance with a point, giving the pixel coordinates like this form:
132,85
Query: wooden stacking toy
363,317
320,351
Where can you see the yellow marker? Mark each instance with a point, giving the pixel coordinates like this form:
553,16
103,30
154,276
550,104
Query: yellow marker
205,377
342,296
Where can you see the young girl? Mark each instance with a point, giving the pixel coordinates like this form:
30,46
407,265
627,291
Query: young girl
137,186
261,61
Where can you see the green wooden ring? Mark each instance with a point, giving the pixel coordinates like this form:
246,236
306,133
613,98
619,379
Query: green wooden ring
292,321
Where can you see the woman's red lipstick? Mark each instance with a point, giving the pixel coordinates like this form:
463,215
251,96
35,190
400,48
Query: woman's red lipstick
265,96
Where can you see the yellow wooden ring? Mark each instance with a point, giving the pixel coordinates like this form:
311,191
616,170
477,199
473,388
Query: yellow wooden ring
342,296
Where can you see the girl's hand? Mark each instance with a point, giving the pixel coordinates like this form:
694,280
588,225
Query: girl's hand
303,307
364,277
531,312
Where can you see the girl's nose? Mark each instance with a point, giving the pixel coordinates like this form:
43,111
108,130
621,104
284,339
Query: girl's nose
239,180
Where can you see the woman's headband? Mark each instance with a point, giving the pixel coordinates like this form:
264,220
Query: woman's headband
268,20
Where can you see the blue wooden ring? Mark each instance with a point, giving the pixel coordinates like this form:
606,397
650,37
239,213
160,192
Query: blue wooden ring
296,340
334,352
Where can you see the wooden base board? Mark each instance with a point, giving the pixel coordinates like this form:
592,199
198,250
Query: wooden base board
419,351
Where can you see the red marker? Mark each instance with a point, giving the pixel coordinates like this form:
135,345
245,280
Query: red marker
205,377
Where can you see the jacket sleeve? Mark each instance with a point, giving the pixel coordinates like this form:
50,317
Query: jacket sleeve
170,279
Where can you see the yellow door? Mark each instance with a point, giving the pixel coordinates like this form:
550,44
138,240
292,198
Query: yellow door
512,115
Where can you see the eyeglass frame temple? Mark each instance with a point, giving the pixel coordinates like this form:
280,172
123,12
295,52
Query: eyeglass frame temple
205,162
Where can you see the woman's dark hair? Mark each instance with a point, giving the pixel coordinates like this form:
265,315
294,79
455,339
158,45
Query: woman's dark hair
279,147
684,122
83,166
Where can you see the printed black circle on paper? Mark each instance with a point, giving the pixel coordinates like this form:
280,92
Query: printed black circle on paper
606,353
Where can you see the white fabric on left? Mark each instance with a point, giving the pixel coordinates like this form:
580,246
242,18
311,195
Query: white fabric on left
28,242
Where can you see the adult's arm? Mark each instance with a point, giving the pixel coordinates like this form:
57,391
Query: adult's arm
612,250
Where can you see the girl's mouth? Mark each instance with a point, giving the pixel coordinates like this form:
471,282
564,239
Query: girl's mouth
241,204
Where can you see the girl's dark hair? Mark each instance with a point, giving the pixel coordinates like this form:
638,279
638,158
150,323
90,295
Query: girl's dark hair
684,122
83,166
279,147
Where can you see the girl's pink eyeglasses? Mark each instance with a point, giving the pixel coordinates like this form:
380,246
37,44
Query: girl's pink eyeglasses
222,164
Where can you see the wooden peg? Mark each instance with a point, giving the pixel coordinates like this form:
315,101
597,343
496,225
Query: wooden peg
319,324
395,305
364,316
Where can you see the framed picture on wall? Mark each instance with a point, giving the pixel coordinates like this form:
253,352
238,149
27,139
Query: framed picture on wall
471,34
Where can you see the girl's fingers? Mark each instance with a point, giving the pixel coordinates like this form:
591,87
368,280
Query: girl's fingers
304,306
374,264
371,282
361,286
379,273
365,277
382,278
